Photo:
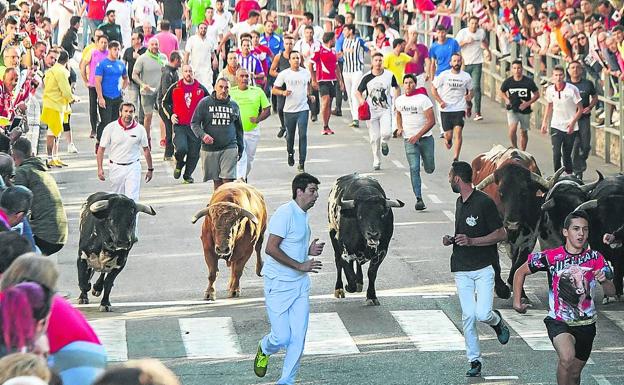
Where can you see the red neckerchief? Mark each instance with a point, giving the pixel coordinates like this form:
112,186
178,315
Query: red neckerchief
211,22
412,93
132,125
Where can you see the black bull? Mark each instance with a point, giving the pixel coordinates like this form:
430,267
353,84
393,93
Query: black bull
361,226
107,234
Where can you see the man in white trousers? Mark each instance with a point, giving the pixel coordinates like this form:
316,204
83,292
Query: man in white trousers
286,279
254,108
125,138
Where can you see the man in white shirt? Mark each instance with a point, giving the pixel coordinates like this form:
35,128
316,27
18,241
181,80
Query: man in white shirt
415,119
123,17
473,42
125,138
286,278
308,21
200,54
251,24
452,89
564,109
145,10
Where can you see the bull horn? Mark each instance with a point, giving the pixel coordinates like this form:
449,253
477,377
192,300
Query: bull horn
147,209
553,179
590,204
394,203
549,204
199,214
589,187
347,204
98,206
249,215
486,182
541,181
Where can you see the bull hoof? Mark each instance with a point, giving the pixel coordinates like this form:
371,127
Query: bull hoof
234,294
106,308
359,287
339,293
502,291
96,293
83,301
209,296
350,289
372,302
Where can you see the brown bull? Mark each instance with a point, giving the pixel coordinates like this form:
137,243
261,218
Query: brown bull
236,219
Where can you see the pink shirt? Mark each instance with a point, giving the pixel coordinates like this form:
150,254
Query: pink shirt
96,57
168,42
68,325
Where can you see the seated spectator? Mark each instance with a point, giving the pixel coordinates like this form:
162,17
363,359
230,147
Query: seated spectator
139,372
23,364
74,347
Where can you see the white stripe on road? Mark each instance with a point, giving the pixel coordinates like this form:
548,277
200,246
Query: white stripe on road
530,327
499,378
210,337
419,223
328,335
397,163
601,380
430,330
434,198
449,215
112,334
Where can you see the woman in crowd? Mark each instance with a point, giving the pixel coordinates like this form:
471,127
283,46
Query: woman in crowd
23,364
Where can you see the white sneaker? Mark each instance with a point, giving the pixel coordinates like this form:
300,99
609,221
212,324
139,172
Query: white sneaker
71,149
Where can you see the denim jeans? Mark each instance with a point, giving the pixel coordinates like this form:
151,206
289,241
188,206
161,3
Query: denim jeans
424,149
294,121
187,147
562,145
481,283
475,71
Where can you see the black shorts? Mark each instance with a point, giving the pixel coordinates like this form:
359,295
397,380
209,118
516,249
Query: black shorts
583,335
327,88
451,120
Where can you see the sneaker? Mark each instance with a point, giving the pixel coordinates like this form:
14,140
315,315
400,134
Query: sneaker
163,143
478,117
502,331
327,131
384,149
92,135
300,168
420,205
176,173
167,158
281,132
291,160
54,163
71,148
337,112
475,369
60,163
314,118
261,362
188,180
376,167
579,176
355,124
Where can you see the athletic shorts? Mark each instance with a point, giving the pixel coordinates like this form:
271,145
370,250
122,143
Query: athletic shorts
327,88
583,334
176,24
517,117
66,125
452,119
148,102
219,164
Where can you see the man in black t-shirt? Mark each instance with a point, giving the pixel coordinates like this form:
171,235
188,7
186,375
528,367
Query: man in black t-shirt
172,11
478,228
130,56
582,143
519,92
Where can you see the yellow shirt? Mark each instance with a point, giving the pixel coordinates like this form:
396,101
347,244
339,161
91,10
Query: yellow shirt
396,64
57,92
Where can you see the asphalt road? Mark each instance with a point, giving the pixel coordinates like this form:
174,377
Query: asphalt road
412,338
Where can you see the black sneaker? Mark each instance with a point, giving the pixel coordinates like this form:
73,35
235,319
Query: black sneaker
291,160
337,112
314,118
300,167
281,132
475,369
188,180
502,331
176,173
420,205
384,149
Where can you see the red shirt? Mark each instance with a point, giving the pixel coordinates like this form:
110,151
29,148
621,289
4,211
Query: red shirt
244,6
325,60
97,9
185,98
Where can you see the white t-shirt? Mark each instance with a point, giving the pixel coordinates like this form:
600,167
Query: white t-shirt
144,10
222,22
472,53
59,12
124,146
412,109
378,90
123,17
290,223
318,32
564,105
240,28
306,50
200,51
452,88
297,82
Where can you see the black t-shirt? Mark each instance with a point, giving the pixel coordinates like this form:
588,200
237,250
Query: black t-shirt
476,217
587,89
172,10
127,57
519,91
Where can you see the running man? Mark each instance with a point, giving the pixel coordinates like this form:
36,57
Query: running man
573,273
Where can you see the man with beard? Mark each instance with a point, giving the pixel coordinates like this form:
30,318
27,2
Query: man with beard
573,273
179,104
200,54
110,29
478,228
130,56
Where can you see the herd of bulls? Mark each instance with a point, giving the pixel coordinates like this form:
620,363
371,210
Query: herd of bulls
361,224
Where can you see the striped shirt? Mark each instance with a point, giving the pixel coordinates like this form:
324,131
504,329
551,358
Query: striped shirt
251,64
353,54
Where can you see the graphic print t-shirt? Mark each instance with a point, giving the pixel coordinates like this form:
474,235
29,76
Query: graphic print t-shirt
572,282
452,88
378,91
519,91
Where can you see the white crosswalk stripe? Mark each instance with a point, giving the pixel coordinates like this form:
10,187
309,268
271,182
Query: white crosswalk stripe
430,330
530,327
327,334
220,342
112,334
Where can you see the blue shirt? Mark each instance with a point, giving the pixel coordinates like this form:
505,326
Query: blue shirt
442,54
338,47
274,42
111,72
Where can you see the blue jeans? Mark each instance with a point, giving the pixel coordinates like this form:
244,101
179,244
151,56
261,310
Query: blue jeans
481,283
292,121
424,149
90,25
475,71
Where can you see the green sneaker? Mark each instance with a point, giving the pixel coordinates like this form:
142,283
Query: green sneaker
261,362
176,173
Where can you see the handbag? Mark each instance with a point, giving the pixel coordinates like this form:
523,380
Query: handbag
364,112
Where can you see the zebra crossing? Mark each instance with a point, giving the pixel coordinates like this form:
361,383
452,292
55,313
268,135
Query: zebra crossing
216,338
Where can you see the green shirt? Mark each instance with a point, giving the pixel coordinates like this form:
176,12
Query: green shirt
198,10
251,102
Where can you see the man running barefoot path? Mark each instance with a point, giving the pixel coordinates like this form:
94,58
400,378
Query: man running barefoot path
286,282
